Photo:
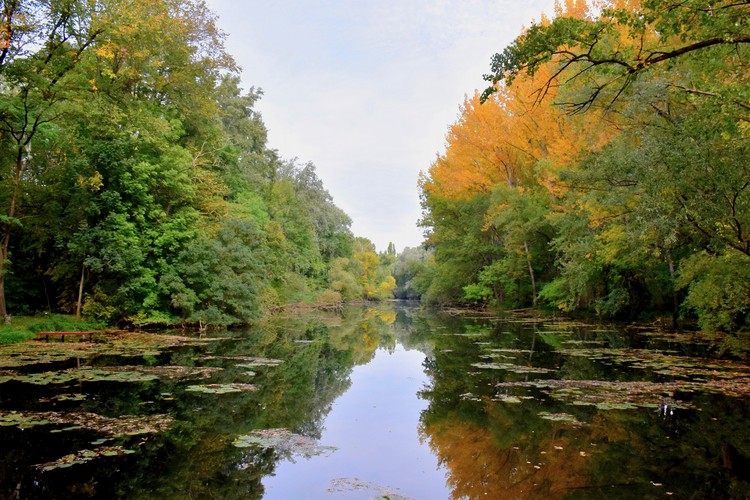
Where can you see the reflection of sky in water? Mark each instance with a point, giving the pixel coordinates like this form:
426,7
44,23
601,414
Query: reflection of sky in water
374,426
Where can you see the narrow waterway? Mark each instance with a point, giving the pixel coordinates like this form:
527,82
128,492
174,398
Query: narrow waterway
374,428
377,402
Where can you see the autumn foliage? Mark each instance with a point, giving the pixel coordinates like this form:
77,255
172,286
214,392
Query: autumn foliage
605,169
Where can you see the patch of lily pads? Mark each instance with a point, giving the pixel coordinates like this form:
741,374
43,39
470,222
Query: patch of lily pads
128,374
135,344
84,456
250,362
666,363
346,484
677,337
65,397
510,399
284,442
222,388
259,362
513,368
114,427
560,417
609,395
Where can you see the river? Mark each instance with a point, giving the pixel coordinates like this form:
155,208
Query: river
377,402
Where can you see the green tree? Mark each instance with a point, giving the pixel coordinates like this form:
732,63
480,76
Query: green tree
42,46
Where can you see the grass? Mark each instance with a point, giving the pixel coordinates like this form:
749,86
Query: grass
24,328
14,336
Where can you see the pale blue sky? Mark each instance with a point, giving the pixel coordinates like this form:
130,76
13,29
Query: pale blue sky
366,90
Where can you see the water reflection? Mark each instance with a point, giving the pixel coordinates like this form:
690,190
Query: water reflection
417,405
374,428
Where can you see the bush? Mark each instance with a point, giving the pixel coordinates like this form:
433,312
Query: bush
62,323
718,290
15,336
328,298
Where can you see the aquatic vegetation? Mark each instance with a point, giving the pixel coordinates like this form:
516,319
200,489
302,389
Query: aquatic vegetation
222,388
129,374
346,484
511,351
510,399
613,395
246,361
559,417
512,368
83,456
136,344
65,397
665,363
284,442
539,398
258,362
119,426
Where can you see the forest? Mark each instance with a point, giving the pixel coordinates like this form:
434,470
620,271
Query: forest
605,170
136,182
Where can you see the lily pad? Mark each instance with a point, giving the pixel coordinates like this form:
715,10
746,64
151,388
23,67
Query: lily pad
512,368
120,426
128,374
83,456
345,484
559,417
247,361
222,388
256,362
607,395
510,399
135,344
283,441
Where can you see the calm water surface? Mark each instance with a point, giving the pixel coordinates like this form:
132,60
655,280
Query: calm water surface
374,425
387,402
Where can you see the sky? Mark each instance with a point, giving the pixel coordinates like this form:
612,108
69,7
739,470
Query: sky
366,89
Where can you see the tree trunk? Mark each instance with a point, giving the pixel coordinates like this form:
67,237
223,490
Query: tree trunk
531,272
22,154
675,297
80,292
3,308
4,245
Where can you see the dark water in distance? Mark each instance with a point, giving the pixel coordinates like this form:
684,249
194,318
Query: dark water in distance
382,402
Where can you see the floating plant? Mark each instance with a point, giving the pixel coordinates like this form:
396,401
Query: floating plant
345,484
606,395
135,344
512,368
131,374
83,456
112,426
559,417
510,399
283,441
222,388
666,363
258,362
246,360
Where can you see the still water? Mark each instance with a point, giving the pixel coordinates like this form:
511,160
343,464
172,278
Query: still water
386,402
374,426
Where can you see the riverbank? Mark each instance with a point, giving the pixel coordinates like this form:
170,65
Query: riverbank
23,328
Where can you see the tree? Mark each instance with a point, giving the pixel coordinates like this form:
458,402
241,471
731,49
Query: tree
41,45
626,39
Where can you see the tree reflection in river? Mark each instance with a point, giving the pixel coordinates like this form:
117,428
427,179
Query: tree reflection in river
532,444
517,407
